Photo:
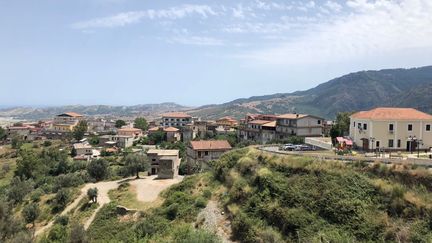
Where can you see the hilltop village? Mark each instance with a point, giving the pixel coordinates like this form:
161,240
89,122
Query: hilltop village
79,176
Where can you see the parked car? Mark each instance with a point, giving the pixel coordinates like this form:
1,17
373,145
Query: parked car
304,147
288,147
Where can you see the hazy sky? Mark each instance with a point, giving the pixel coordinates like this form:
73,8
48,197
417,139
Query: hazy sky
125,52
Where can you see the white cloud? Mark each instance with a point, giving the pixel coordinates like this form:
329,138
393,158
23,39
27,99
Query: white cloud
374,27
126,18
197,40
334,6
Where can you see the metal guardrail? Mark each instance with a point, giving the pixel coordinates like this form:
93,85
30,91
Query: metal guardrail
409,161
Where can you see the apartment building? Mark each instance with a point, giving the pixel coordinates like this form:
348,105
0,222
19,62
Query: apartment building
302,125
176,119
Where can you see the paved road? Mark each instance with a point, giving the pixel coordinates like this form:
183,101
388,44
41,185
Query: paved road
414,161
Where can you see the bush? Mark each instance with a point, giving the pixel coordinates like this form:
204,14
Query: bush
186,234
62,220
61,199
47,143
207,193
200,202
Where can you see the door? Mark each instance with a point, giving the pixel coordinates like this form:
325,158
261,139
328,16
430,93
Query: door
365,144
153,171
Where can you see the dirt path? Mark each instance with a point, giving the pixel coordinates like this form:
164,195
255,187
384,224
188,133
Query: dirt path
212,219
103,188
148,188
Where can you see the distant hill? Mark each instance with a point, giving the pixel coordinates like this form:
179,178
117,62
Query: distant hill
352,92
150,111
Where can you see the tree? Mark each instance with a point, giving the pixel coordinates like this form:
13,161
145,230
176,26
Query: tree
18,189
157,137
77,234
92,193
28,164
341,126
119,123
2,133
98,169
16,142
141,123
61,199
79,130
136,163
30,213
181,146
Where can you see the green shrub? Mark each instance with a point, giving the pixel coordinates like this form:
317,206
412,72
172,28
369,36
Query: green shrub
186,234
200,202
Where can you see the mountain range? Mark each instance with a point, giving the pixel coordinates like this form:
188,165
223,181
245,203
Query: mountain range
352,92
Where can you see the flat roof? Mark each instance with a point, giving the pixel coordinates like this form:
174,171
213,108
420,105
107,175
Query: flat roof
164,152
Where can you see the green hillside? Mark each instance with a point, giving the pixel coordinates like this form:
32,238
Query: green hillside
296,199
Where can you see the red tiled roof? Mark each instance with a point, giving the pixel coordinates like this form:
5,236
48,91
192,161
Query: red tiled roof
259,122
129,129
210,145
388,113
270,124
171,129
176,115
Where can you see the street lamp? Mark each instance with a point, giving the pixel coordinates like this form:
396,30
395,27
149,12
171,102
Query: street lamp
419,143
372,139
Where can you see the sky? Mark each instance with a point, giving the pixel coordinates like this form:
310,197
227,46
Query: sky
197,52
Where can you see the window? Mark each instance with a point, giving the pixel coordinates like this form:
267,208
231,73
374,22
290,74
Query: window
390,143
399,143
428,127
377,144
365,126
206,153
354,124
319,122
391,127
409,127
359,125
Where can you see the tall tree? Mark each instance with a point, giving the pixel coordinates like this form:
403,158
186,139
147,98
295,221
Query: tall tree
141,123
98,169
119,123
135,163
79,130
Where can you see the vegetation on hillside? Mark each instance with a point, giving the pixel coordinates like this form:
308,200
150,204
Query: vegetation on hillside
296,199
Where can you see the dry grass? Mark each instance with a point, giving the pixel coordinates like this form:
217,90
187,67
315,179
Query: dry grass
126,196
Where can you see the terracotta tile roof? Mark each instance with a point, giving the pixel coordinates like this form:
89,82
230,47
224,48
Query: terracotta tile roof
227,118
171,129
292,116
176,115
388,113
259,122
210,145
129,129
270,124
154,129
